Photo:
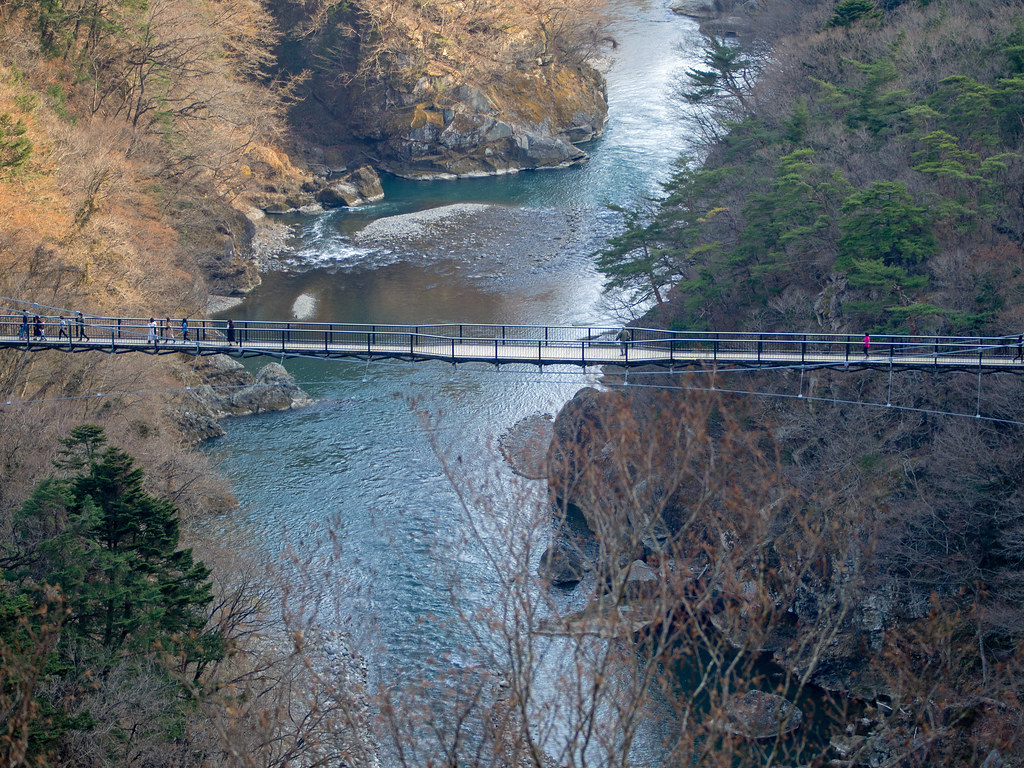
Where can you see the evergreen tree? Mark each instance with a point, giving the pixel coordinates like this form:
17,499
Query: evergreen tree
15,148
140,592
882,222
96,544
849,12
632,260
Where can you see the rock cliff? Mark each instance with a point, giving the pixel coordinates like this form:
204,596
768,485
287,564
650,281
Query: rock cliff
659,480
443,127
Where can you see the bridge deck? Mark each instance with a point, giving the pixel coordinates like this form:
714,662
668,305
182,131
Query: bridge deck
536,345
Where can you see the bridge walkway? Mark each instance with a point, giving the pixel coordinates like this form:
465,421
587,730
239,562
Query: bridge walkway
534,345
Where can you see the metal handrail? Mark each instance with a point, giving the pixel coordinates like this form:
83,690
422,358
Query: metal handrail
503,340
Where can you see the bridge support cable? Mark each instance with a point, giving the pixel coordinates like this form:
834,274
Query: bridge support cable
17,376
831,400
977,406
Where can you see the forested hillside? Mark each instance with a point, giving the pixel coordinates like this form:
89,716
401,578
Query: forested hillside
867,177
140,143
864,173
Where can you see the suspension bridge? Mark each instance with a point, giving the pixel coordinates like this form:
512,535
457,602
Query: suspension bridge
503,344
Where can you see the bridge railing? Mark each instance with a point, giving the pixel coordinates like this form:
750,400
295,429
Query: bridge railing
763,347
711,345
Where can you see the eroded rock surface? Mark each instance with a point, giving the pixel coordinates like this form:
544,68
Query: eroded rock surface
525,446
220,386
440,127
760,715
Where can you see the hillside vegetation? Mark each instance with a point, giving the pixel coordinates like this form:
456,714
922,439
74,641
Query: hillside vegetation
137,142
865,174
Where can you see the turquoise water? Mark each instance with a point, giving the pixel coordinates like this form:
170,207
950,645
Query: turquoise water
367,482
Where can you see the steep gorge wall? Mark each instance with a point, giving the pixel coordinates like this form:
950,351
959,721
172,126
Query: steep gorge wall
422,109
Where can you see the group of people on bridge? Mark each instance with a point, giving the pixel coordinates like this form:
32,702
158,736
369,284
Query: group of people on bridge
66,326
163,330
74,327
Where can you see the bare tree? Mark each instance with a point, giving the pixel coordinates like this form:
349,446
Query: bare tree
693,554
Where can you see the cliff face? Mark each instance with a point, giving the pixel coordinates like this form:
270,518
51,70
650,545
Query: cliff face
446,91
682,483
441,126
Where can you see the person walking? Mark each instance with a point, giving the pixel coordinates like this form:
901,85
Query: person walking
166,327
80,325
23,330
623,338
230,331
40,332
867,345
151,335
1020,349
62,329
184,329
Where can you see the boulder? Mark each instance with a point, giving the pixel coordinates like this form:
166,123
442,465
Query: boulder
274,389
759,715
358,187
525,446
695,9
641,581
561,565
227,388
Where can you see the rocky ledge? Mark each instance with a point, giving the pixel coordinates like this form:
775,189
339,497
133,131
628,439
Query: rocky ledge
441,127
759,715
317,191
220,386
720,18
525,446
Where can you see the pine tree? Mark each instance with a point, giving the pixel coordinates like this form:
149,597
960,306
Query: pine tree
94,578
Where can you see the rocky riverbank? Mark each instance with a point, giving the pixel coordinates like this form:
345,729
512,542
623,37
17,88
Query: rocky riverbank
748,568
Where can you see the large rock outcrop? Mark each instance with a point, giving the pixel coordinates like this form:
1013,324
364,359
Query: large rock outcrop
660,487
220,241
220,386
442,127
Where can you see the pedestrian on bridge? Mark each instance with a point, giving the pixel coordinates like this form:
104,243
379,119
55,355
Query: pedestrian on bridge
623,336
867,345
62,332
230,331
40,332
80,324
151,336
23,330
184,329
1020,349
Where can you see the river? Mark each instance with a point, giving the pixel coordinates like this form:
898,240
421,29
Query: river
364,462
